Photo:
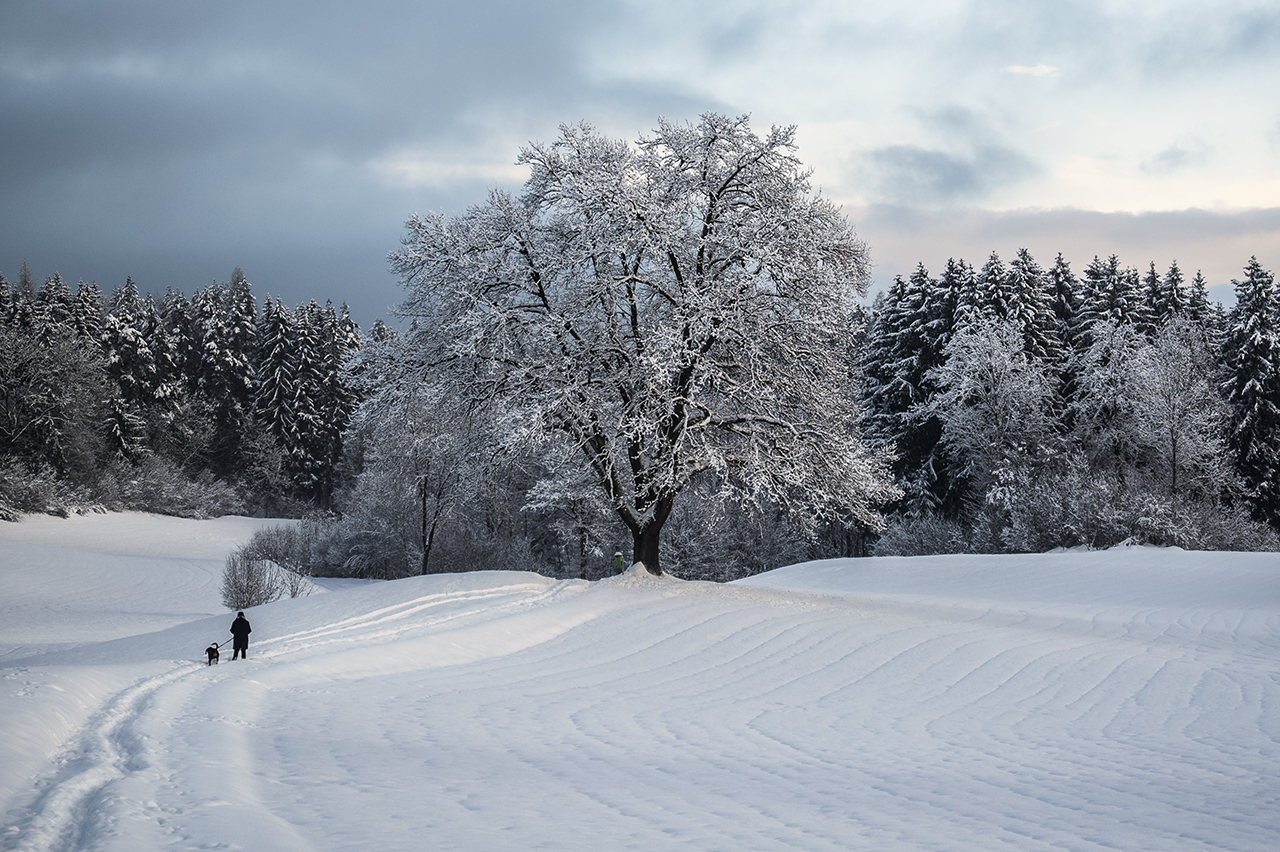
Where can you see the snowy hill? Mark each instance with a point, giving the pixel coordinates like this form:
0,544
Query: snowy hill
1128,699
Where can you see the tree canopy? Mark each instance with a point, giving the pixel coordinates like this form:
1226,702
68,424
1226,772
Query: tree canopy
658,312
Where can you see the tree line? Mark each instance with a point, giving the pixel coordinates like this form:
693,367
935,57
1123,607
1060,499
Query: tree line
657,352
1031,408
189,405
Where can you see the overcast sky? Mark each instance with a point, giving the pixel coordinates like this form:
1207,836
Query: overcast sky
173,140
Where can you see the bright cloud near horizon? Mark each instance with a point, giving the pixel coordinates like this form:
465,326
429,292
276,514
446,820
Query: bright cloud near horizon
174,140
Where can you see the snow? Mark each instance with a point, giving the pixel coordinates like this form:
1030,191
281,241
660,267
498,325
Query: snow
1126,699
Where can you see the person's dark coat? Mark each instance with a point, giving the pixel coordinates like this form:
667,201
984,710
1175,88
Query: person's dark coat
240,629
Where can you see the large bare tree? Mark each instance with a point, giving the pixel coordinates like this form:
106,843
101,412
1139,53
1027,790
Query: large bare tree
657,312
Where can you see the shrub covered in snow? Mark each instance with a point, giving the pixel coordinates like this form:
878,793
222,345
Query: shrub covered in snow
249,580
922,535
155,484
39,490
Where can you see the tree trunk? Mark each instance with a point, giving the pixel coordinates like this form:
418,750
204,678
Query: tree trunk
644,540
426,544
645,548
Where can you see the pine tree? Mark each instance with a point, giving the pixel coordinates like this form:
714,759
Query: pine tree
277,373
1253,389
180,321
886,398
226,318
1111,293
125,301
993,296
1174,299
1030,309
342,396
26,283
944,304
308,452
1064,298
87,312
909,332
1151,300
168,384
6,301
242,338
53,305
960,279
131,371
1198,306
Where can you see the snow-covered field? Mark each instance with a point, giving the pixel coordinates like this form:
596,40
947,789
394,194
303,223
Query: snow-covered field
1125,700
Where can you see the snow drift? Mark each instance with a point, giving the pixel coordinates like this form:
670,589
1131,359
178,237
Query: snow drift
1128,699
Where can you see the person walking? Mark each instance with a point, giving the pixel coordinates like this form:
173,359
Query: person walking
240,629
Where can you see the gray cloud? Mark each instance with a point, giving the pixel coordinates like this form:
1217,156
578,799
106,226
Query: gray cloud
173,140
1204,36
1177,157
907,174
1217,243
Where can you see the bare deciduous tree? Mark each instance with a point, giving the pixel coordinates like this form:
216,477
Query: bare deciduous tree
656,312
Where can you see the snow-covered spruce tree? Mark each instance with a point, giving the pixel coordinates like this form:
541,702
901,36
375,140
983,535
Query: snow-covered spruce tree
1253,388
87,312
180,321
53,303
1029,304
1209,316
1110,292
341,339
1064,297
6,300
226,319
911,325
131,372
1170,297
898,356
322,404
51,393
659,311
277,372
961,280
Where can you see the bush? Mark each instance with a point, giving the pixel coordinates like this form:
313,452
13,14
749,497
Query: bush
1072,508
925,535
39,491
157,485
283,545
249,581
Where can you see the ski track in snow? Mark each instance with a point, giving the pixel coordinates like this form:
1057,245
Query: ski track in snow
107,748
998,704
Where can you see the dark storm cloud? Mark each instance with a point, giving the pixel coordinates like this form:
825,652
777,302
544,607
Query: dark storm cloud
174,140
